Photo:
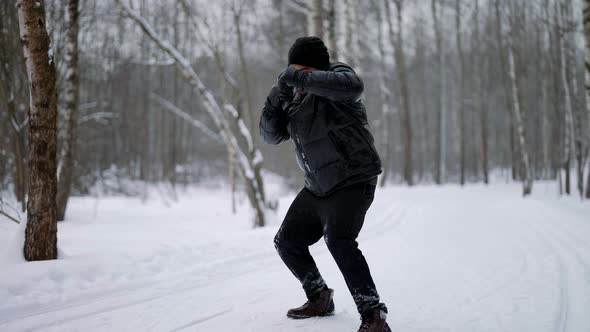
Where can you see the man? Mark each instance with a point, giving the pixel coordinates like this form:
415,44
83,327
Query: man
317,104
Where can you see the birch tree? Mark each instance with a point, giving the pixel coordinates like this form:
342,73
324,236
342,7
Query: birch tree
71,99
350,53
332,37
250,159
41,230
384,94
505,82
517,104
315,18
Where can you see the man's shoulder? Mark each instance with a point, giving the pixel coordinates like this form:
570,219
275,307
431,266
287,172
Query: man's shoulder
340,66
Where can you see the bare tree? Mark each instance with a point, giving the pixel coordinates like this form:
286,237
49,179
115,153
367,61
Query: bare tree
517,103
71,99
479,69
569,146
237,11
249,161
41,231
461,88
505,82
400,61
586,18
350,53
384,94
332,23
14,94
440,161
315,18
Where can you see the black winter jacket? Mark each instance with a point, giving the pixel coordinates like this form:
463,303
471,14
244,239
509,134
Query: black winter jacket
328,124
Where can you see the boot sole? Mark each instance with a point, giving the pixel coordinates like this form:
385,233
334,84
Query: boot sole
325,314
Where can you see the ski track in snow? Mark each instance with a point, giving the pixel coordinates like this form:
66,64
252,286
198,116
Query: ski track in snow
444,259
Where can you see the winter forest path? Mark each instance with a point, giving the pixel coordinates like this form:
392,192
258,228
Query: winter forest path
444,259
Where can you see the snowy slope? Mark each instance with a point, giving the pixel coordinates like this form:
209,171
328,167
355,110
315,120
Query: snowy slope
444,259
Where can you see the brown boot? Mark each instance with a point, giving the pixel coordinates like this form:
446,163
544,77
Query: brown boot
322,305
374,321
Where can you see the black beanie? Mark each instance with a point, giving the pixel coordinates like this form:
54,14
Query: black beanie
311,52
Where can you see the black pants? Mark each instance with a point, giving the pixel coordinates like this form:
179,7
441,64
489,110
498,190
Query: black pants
338,218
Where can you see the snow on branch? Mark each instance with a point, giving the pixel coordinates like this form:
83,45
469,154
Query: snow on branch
100,117
215,110
211,104
169,106
18,127
4,213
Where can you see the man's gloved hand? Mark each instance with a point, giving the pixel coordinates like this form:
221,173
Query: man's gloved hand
279,96
292,77
285,92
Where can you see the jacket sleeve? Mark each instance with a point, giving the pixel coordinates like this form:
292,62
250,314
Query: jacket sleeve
339,84
273,120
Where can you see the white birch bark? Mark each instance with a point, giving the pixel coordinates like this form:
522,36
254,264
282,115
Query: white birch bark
71,99
41,229
315,18
384,93
332,25
351,49
527,186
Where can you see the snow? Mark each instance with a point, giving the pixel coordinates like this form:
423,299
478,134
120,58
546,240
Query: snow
444,259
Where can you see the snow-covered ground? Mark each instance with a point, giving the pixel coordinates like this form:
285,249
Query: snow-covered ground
444,259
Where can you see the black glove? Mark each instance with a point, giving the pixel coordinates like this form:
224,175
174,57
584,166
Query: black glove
280,96
285,92
292,77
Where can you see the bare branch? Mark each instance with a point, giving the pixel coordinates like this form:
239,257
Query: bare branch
169,106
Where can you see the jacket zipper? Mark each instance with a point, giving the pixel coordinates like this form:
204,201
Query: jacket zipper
300,148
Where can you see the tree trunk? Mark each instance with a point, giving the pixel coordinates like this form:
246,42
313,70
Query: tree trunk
247,98
506,85
480,69
13,91
71,98
516,108
41,231
350,53
315,18
406,123
384,93
586,16
332,38
461,93
439,172
569,125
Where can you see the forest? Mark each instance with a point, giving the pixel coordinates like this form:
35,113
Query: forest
138,191
170,92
